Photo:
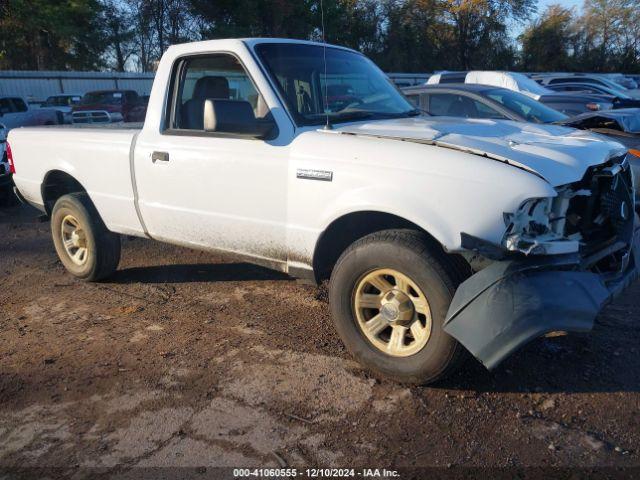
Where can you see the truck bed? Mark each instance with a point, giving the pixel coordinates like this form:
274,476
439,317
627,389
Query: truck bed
99,126
98,157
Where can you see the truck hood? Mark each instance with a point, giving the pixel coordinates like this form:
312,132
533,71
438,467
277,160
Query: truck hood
558,154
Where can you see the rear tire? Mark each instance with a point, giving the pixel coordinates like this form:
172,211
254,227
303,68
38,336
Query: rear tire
85,247
389,296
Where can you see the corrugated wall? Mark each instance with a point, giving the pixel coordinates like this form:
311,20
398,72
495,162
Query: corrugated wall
37,86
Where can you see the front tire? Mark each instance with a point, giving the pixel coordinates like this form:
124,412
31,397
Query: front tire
389,296
85,247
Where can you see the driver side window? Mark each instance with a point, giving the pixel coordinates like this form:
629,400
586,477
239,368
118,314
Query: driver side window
212,77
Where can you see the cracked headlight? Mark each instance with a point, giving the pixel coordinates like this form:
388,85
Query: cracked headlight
537,227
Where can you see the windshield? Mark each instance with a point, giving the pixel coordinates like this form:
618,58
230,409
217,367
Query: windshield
613,85
102,98
597,89
353,87
616,93
60,101
530,109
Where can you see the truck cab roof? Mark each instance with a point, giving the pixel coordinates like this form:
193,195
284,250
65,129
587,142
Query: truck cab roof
216,45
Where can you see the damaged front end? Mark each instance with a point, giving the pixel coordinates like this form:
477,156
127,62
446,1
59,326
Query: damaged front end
561,260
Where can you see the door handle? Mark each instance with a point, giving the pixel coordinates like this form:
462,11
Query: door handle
159,157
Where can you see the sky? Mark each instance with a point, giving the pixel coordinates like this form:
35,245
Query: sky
542,4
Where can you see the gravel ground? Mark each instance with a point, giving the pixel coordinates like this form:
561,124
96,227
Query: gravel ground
189,359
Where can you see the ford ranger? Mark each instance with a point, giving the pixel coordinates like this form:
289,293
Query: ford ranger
438,236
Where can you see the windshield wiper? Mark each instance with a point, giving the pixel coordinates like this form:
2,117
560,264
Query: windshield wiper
362,114
350,115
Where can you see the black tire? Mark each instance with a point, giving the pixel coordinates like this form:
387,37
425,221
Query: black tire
102,246
413,255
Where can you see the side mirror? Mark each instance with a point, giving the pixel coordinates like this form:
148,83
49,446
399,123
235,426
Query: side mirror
235,117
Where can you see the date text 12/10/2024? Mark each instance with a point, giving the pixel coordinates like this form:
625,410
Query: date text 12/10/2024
314,473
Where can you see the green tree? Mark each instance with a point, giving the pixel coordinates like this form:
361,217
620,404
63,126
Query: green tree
50,35
118,34
547,41
629,39
414,37
255,18
600,27
480,30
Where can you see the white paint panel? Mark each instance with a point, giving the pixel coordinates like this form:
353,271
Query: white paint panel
97,158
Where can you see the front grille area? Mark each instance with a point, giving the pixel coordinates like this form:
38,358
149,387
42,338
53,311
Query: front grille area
603,215
97,116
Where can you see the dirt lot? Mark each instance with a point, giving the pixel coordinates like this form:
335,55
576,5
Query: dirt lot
198,360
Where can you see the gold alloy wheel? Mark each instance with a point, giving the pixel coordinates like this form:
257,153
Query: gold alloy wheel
74,240
392,312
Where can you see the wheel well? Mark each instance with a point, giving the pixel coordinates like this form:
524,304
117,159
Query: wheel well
55,185
354,226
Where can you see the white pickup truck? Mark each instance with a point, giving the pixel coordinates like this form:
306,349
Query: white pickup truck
15,112
437,235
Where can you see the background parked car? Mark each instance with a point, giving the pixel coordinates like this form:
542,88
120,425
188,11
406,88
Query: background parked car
623,80
15,112
480,101
108,106
447,77
570,104
618,97
623,125
556,79
63,103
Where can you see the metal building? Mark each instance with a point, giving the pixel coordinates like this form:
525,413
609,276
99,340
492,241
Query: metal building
36,86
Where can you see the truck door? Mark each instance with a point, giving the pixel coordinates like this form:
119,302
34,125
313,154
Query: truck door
206,189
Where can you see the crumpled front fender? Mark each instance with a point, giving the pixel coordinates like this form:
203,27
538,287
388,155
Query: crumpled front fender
503,307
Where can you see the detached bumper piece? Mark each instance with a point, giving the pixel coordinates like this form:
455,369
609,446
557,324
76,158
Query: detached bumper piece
506,305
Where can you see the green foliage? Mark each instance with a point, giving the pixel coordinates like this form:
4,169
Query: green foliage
255,18
400,35
50,34
547,42
605,38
